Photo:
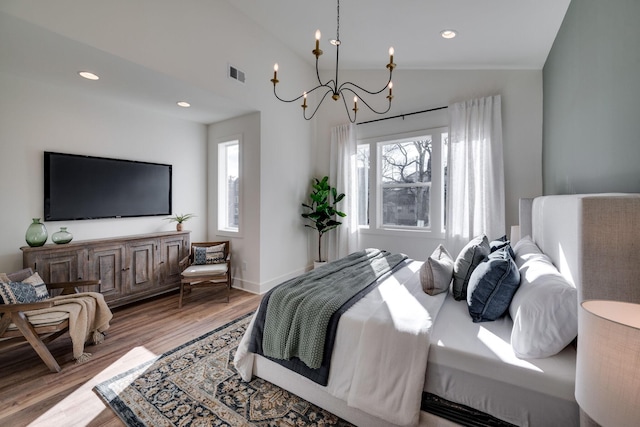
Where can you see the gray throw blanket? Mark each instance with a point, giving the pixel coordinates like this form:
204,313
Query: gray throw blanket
299,310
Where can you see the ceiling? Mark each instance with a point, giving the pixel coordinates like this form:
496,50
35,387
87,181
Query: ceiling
492,34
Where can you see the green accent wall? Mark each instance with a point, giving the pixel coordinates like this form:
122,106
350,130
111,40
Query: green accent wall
591,105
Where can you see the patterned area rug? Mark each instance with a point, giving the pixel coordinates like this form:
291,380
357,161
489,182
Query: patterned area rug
197,385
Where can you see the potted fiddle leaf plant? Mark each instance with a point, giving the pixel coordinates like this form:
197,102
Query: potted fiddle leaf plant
180,219
322,211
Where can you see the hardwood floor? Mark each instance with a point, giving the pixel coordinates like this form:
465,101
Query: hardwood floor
30,395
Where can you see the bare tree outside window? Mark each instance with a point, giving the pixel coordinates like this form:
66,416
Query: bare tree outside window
406,182
401,183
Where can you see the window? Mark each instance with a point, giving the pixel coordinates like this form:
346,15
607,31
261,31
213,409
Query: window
229,186
406,189
362,176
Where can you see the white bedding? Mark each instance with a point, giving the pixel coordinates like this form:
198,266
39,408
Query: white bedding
392,327
475,365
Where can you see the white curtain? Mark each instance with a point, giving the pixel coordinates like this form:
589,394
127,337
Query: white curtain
475,199
344,239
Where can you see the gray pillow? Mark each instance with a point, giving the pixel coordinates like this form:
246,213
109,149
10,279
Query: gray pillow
18,293
208,255
436,272
492,286
468,259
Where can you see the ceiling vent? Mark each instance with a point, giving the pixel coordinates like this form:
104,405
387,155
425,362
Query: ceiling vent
236,74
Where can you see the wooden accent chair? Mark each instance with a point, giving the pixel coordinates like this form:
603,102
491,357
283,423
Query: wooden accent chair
197,273
16,326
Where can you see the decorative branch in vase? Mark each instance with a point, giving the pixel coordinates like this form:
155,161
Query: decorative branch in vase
179,219
322,209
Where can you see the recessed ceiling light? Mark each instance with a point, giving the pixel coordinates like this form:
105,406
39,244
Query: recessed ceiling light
184,104
448,34
88,75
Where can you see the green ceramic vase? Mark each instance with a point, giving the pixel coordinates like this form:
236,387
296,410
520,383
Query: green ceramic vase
62,236
36,233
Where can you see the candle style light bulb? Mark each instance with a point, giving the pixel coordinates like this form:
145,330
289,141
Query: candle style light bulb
318,35
391,52
274,80
304,103
390,91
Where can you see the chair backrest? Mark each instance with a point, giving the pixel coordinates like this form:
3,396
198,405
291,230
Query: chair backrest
20,275
227,247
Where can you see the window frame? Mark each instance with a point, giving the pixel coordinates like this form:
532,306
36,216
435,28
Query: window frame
375,206
221,178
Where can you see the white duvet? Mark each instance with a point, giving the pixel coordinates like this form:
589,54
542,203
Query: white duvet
380,354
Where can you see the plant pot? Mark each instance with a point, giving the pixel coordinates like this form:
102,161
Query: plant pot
179,226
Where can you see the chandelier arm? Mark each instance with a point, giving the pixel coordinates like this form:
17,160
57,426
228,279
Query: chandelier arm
344,86
329,90
360,99
346,107
328,83
299,97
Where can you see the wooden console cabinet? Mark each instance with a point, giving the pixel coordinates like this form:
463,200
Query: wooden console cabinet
129,268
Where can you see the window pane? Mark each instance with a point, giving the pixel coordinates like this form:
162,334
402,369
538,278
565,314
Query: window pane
407,162
228,185
362,173
404,163
406,206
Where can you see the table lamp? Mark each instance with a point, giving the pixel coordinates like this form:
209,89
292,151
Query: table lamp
608,363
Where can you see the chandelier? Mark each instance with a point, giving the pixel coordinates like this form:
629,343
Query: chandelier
334,87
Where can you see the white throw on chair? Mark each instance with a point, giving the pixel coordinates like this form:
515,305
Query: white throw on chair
208,264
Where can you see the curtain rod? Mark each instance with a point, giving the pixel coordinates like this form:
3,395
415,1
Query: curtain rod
403,115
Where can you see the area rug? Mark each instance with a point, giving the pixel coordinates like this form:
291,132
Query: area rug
196,384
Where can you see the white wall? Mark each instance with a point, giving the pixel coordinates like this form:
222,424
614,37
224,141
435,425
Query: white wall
36,117
416,90
193,41
245,244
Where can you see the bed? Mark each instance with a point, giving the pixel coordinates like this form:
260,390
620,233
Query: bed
591,241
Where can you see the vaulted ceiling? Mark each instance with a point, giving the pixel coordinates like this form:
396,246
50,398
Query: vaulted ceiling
492,34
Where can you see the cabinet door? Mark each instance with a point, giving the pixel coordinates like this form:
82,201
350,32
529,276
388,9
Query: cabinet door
106,263
173,250
60,266
142,274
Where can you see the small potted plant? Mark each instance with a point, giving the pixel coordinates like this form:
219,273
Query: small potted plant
322,210
179,219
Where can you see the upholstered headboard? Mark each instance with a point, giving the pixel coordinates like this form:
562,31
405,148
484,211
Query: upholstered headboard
593,239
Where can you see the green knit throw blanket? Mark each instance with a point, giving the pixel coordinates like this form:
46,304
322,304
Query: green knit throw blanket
299,310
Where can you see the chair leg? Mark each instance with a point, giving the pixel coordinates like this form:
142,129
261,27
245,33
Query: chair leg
181,294
21,322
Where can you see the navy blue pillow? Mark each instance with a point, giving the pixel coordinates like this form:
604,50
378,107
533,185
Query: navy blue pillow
492,285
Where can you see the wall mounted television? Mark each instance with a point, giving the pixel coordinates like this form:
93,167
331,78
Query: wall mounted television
86,187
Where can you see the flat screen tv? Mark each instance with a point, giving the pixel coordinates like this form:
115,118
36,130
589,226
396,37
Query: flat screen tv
86,187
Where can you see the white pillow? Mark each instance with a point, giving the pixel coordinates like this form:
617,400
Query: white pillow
526,249
437,271
544,309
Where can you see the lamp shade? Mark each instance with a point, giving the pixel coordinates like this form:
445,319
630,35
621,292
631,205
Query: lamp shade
608,364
